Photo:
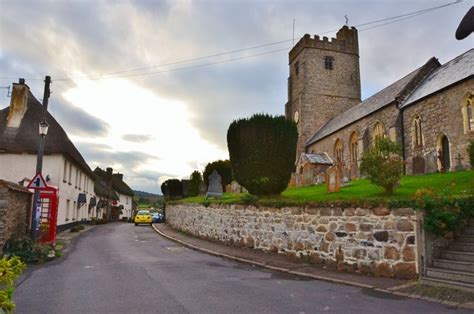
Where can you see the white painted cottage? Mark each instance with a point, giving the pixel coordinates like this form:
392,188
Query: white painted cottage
63,165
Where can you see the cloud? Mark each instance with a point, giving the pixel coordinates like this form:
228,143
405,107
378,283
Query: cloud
137,137
168,124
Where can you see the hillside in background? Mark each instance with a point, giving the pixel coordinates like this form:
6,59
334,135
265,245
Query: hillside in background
145,198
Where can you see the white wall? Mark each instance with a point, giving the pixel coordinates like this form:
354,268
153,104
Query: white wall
16,167
126,201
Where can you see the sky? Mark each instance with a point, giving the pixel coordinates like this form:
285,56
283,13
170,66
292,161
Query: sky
128,96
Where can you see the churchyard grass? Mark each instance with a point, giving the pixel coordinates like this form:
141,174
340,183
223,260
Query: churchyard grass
454,184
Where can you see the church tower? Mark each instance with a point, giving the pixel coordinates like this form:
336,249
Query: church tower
324,81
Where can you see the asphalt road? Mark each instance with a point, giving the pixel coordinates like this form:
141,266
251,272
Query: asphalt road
120,268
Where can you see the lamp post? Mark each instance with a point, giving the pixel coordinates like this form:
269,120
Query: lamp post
43,131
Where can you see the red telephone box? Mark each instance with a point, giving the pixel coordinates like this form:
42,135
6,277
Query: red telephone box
48,218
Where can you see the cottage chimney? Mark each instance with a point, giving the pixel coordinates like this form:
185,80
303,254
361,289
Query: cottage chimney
18,103
120,176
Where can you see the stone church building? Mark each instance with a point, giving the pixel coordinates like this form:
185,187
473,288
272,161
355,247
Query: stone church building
429,111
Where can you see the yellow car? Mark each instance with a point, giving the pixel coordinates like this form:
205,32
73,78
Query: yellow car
143,217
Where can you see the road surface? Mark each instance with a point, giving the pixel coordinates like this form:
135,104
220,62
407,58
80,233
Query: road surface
120,268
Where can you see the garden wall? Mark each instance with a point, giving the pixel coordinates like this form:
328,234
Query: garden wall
15,209
375,241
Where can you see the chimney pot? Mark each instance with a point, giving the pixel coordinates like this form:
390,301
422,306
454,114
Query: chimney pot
21,81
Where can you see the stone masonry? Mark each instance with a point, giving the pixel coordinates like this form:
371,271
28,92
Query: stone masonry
15,209
440,114
318,93
377,241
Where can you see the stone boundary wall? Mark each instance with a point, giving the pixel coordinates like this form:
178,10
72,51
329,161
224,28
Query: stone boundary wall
377,241
15,209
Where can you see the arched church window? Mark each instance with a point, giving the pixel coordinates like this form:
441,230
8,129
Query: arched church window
379,132
468,113
417,133
339,150
354,145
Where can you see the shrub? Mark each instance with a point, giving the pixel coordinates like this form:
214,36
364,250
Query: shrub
223,168
27,250
10,269
383,165
75,229
172,189
470,151
443,214
194,182
262,152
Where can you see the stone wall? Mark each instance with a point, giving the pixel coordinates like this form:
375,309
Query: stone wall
316,93
15,209
363,128
373,241
440,114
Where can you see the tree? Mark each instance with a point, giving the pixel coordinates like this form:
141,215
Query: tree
194,182
172,189
383,165
262,152
223,168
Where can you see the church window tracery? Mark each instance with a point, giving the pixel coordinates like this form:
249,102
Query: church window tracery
379,132
417,133
468,113
339,150
354,145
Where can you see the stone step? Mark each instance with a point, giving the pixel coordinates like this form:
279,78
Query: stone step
447,283
458,256
465,238
465,247
452,275
454,265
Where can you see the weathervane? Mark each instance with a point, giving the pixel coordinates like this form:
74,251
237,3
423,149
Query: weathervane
347,19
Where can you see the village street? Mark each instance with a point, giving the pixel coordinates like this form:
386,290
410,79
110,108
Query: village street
120,268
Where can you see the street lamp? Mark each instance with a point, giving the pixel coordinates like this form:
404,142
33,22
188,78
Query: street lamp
43,131
43,128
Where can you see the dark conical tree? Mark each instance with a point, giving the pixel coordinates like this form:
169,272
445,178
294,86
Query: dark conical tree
262,152
194,182
172,189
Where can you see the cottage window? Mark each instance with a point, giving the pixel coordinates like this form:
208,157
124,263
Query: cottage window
297,68
328,62
70,173
68,208
339,151
65,171
354,144
417,133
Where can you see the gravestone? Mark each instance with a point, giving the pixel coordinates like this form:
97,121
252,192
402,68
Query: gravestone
459,165
202,188
333,180
418,165
431,162
215,185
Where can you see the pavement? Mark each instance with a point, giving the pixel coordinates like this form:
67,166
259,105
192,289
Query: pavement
120,268
280,262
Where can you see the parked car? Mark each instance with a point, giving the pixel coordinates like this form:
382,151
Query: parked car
143,217
157,217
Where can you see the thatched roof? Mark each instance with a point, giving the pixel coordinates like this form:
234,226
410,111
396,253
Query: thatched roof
117,181
25,138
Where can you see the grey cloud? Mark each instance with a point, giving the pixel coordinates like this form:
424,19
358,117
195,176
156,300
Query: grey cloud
77,121
140,138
